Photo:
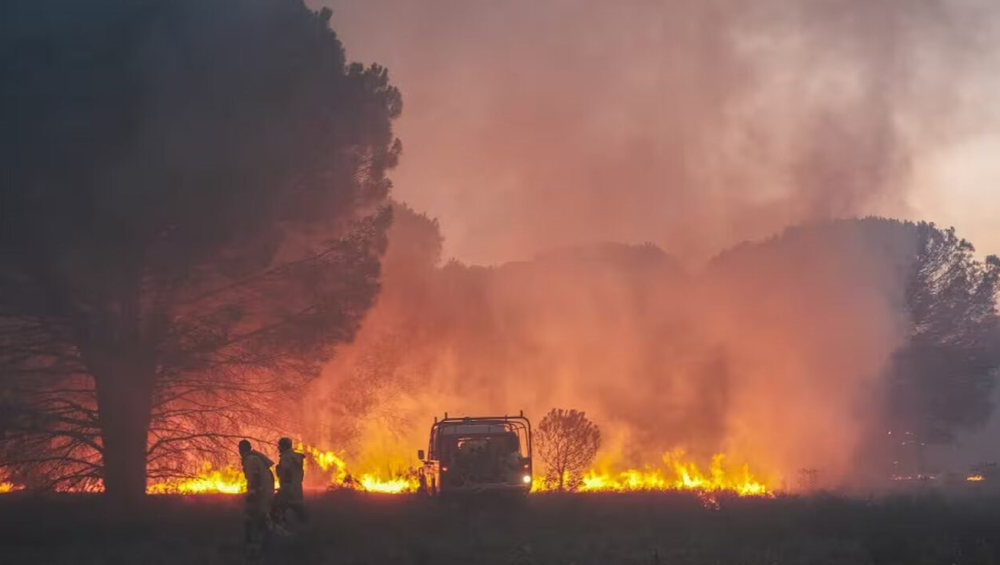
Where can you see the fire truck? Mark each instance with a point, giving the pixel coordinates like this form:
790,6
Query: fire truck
477,455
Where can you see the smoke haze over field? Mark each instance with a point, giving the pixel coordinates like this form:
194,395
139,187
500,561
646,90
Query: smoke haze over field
693,124
534,129
773,355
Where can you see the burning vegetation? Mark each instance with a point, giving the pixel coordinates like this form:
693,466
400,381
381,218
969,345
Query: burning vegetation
326,470
227,480
676,473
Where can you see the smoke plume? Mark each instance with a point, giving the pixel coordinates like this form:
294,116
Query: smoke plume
692,124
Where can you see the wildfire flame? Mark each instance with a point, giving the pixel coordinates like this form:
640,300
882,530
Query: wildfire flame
974,478
340,478
230,480
676,474
374,483
227,480
327,461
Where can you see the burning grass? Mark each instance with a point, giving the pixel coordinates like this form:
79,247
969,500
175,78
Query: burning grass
227,480
677,473
334,473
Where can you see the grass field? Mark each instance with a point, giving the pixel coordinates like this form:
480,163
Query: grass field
670,528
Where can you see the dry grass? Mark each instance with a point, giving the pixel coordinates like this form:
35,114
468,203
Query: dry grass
545,530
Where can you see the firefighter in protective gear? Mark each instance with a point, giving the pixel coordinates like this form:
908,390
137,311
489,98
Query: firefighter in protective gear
260,493
290,473
514,464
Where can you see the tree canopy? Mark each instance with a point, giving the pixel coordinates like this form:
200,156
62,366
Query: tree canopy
941,377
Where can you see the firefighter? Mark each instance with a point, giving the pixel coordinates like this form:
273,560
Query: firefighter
513,462
260,493
290,472
466,459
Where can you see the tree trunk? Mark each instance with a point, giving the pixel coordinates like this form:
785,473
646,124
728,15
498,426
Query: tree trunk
124,402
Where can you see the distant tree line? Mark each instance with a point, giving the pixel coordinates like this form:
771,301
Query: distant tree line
941,378
624,326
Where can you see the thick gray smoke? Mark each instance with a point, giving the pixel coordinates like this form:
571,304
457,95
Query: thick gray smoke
693,124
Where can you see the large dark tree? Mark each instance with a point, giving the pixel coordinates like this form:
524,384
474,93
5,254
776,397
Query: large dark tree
941,378
192,212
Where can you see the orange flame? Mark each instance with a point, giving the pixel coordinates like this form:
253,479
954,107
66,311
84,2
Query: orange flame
230,480
227,480
373,483
974,478
327,461
676,474
340,478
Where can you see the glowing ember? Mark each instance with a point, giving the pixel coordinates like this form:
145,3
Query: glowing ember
974,478
91,486
6,487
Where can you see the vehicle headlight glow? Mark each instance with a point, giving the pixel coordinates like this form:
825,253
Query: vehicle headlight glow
526,479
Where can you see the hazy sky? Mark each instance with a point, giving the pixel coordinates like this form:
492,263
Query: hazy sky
694,124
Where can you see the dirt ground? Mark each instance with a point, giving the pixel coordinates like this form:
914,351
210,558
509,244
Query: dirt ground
595,529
